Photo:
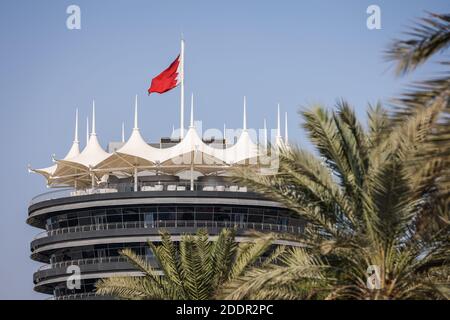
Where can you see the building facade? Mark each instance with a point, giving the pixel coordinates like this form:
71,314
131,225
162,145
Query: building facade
123,197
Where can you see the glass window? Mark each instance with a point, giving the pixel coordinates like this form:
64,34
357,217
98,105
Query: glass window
167,209
100,212
255,218
88,255
204,209
72,222
222,217
240,210
99,220
167,216
167,213
270,212
204,215
131,217
240,218
62,224
270,219
84,221
114,218
283,220
222,209
149,219
185,213
131,211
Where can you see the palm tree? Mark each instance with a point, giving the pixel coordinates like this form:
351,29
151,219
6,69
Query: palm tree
364,199
427,38
194,269
378,196
294,274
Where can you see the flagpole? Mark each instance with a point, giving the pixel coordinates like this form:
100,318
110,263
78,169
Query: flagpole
182,91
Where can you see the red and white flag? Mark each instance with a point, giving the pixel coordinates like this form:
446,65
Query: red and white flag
169,78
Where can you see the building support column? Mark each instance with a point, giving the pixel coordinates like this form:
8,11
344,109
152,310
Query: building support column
192,176
135,179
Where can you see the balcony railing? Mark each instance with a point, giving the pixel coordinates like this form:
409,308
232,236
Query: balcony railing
82,262
143,187
257,226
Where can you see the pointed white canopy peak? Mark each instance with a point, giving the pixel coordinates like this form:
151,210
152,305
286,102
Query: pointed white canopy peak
244,120
75,149
123,132
286,127
243,149
93,118
91,155
191,125
181,153
137,147
136,113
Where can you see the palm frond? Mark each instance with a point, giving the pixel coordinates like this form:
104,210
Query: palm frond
429,36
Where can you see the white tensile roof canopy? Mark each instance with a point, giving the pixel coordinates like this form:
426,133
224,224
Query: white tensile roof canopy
88,167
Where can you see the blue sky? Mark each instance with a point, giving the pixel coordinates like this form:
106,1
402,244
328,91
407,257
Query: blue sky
293,52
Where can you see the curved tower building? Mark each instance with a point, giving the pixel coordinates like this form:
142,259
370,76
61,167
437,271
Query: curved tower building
121,198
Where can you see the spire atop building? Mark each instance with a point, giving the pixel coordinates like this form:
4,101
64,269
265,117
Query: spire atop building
93,118
75,149
75,139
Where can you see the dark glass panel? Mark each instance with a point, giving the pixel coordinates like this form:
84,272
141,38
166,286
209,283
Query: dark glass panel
204,216
270,219
185,213
255,218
